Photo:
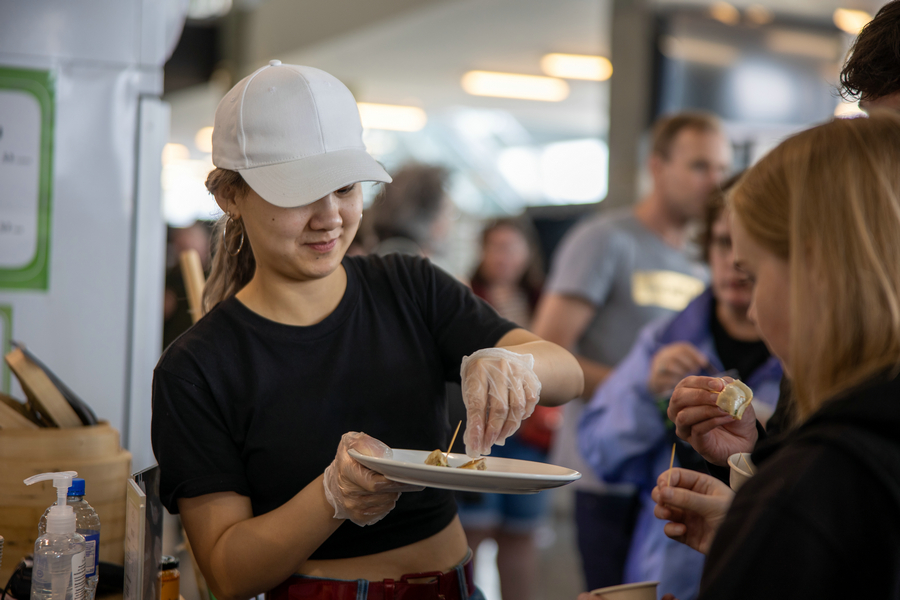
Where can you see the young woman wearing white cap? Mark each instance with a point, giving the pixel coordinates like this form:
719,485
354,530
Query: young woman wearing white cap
303,348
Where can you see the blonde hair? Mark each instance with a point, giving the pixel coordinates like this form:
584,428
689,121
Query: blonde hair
229,272
827,200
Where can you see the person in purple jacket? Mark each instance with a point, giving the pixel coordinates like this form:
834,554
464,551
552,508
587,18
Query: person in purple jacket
624,433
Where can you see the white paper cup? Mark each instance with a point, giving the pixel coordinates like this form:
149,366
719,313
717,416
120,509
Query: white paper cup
740,473
645,590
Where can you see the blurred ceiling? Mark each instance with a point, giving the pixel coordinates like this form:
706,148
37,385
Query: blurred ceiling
418,56
414,52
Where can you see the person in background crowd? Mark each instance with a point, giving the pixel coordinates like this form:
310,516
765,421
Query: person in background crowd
305,355
815,228
612,275
176,312
625,434
412,214
509,277
510,274
871,74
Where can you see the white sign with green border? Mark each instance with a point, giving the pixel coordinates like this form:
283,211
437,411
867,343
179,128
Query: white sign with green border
26,177
5,344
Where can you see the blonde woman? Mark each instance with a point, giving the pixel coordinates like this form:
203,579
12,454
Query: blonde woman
256,408
817,228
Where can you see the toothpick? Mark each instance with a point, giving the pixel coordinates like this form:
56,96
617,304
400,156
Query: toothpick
671,464
449,448
746,462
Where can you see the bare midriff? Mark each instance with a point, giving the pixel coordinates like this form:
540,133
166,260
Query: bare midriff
440,552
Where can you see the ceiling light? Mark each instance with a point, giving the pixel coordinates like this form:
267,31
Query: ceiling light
813,45
851,21
510,85
698,51
391,117
725,13
174,152
577,66
203,140
758,14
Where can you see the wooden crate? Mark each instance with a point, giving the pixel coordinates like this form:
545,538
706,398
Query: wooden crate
94,452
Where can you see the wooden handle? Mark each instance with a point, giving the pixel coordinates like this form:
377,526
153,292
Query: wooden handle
671,464
194,280
14,415
41,392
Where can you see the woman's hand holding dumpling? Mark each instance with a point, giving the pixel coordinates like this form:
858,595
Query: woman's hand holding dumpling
711,431
500,389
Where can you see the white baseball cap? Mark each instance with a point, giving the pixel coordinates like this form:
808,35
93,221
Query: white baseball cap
294,135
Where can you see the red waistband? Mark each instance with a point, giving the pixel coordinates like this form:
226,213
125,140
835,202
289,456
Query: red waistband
457,584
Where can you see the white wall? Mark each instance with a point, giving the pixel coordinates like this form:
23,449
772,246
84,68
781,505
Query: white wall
98,324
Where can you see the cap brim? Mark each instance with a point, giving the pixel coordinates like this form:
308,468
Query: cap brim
305,180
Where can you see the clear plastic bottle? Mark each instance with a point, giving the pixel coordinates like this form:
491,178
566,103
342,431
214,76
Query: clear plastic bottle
58,572
87,523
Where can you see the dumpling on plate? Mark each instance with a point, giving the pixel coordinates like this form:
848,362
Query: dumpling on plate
475,465
735,398
437,459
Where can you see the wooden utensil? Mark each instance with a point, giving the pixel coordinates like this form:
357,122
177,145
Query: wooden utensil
450,447
194,281
14,415
81,408
671,464
746,462
41,392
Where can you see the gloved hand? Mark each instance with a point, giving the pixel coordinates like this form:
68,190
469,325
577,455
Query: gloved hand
499,389
357,492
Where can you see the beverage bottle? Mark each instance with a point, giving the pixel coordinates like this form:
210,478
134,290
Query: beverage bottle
169,579
58,571
87,523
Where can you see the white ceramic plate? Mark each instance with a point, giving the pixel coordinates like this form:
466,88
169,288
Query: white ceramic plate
502,476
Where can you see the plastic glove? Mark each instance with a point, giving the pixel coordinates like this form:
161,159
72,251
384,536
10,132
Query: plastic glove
499,390
356,492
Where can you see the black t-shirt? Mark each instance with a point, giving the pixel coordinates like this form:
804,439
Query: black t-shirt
746,357
245,404
821,518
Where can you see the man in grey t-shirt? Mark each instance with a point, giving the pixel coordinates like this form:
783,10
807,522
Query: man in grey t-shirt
613,274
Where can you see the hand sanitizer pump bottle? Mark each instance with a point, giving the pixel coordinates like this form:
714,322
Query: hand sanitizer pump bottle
87,523
58,572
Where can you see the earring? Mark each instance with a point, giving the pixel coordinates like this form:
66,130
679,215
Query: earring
225,238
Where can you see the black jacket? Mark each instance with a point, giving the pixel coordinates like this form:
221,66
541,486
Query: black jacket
821,519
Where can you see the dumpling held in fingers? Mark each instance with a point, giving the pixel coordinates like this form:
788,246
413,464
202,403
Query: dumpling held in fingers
735,398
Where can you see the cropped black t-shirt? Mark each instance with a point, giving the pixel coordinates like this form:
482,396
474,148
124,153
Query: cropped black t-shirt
248,405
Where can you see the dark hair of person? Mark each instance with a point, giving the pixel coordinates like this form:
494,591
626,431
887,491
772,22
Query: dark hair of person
667,128
231,269
408,205
715,206
873,68
533,279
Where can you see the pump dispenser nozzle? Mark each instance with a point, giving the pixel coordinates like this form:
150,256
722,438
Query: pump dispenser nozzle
62,516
